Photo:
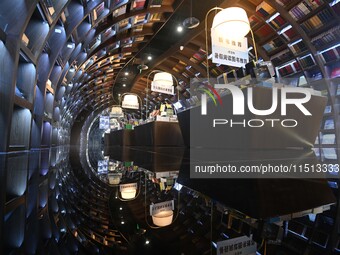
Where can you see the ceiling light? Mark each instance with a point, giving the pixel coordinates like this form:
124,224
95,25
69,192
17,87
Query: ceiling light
179,29
149,57
126,73
124,85
231,22
191,22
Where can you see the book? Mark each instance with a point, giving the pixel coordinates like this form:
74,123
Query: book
264,9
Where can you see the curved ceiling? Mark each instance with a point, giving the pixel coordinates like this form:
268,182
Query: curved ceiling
84,48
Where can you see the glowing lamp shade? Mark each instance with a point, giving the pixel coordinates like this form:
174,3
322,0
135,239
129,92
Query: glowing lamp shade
114,179
130,102
128,193
163,78
231,23
116,110
163,218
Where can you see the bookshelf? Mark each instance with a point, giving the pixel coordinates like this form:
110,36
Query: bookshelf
40,93
36,32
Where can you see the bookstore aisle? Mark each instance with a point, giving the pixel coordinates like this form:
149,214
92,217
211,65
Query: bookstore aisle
81,175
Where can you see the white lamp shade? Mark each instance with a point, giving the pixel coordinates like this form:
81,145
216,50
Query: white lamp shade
128,193
163,78
114,179
231,23
163,218
116,110
130,102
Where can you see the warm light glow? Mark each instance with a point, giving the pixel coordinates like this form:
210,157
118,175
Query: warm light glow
114,179
163,218
124,85
128,193
130,102
231,23
163,78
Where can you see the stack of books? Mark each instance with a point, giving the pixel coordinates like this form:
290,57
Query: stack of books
327,37
264,9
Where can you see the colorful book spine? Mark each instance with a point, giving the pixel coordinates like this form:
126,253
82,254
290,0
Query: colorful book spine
264,9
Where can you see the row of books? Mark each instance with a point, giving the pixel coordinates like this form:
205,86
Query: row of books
264,9
273,44
327,37
289,69
331,54
317,21
288,33
281,57
277,22
263,32
298,47
307,61
303,8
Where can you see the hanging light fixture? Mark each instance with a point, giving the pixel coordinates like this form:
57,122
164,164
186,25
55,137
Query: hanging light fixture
163,78
231,22
191,22
114,179
163,219
128,191
130,101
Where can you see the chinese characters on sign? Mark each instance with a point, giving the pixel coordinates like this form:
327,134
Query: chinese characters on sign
230,52
163,89
237,246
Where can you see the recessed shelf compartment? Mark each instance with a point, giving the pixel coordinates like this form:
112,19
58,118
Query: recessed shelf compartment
36,32
26,81
20,128
14,224
16,175
52,8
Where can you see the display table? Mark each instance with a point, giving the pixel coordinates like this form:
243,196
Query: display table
123,137
158,133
